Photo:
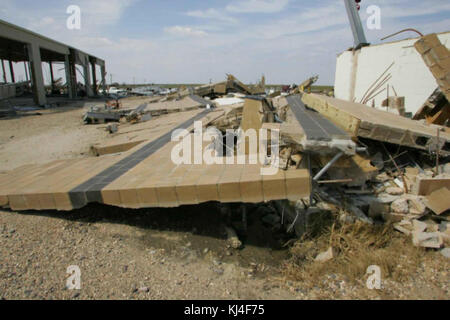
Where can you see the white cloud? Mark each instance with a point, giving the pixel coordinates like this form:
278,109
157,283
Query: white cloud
287,49
103,12
213,14
184,31
257,6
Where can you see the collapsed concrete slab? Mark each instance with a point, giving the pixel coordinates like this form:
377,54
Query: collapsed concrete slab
362,121
147,176
312,131
437,58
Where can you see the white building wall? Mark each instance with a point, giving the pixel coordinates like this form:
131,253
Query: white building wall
410,76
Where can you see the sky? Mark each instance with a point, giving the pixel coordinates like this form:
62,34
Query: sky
193,41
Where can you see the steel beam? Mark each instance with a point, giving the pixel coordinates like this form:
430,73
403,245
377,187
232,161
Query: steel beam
355,23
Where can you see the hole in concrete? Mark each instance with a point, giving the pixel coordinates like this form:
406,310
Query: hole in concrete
422,141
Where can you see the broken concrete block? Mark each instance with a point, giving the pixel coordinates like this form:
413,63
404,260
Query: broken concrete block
439,201
427,184
387,198
426,43
427,239
394,191
444,227
404,226
446,238
445,252
419,226
432,226
325,256
382,177
232,238
400,206
416,205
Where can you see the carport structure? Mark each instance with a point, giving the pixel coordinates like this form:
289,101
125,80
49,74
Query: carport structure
20,45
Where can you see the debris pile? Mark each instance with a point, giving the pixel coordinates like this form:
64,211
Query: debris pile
365,164
381,168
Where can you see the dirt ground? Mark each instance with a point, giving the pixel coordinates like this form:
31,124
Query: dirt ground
179,253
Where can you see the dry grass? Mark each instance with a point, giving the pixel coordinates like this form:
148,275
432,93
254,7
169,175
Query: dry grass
357,246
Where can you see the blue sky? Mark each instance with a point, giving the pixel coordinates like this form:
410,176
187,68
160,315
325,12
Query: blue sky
175,41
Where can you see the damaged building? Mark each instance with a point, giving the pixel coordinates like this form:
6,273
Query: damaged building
349,154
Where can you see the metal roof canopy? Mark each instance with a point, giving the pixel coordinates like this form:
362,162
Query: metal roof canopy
19,44
13,41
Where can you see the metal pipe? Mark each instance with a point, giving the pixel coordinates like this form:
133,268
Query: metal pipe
355,23
328,166
335,181
404,30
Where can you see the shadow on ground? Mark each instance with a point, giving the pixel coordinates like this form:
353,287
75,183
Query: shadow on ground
203,223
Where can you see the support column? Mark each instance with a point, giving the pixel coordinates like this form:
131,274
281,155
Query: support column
4,73
94,78
26,71
103,71
87,77
52,78
11,70
69,82
34,56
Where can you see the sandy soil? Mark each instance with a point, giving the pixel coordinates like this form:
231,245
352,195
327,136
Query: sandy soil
37,137
151,254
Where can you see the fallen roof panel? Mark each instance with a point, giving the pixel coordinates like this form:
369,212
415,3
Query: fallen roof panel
311,130
315,126
146,176
362,121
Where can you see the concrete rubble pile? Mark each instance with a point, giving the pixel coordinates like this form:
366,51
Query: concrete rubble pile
382,174
366,164
336,156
